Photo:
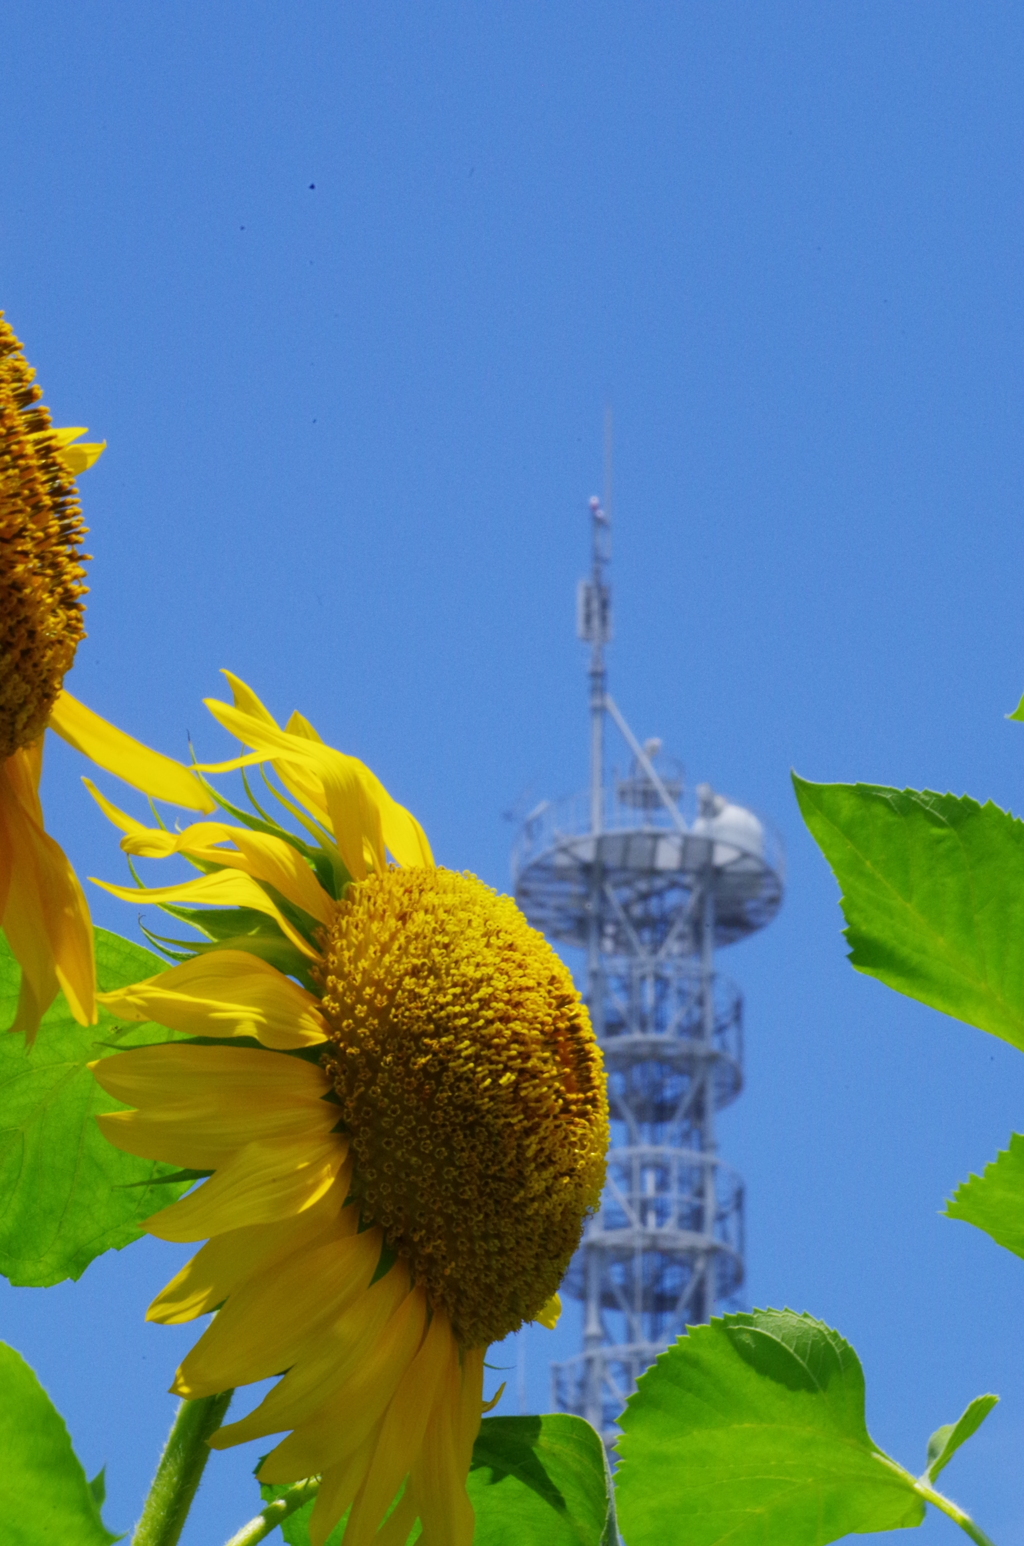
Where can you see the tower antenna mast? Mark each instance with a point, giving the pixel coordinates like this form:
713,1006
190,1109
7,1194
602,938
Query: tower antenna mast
594,624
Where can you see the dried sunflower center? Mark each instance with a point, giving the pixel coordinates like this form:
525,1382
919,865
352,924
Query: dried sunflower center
472,1088
41,571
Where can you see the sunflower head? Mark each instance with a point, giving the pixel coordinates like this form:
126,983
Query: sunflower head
471,1088
41,558
399,1169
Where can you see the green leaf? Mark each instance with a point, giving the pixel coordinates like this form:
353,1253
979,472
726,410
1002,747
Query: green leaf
933,895
994,1201
541,1481
752,1430
945,1441
66,1194
45,1495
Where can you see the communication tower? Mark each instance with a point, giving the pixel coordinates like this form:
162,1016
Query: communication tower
648,881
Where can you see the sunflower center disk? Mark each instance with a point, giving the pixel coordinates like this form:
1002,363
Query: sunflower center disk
472,1088
41,573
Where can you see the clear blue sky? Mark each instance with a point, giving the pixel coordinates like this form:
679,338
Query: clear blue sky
346,288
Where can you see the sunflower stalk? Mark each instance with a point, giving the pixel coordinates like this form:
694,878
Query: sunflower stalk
180,1471
270,1517
952,1511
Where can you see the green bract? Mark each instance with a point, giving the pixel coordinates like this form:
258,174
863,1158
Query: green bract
66,1195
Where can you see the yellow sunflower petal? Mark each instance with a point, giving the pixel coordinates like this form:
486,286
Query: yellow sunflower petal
246,699
44,911
258,854
61,435
266,1325
158,843
329,1361
393,1532
263,734
229,1260
156,775
25,769
224,993
262,1183
79,458
74,459
222,888
306,790
302,782
272,860
202,1105
351,815
403,835
471,1405
430,1375
439,1476
208,1142
298,724
359,806
207,1078
343,1421
338,1486
549,1313
114,814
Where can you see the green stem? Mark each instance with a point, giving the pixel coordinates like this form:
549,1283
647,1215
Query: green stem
259,1528
179,1471
948,1507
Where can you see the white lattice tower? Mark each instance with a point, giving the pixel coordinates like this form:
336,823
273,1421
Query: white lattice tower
648,882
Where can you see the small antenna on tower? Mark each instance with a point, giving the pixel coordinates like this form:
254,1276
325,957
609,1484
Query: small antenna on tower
594,624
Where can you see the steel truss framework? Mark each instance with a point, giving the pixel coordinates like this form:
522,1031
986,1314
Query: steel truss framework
649,884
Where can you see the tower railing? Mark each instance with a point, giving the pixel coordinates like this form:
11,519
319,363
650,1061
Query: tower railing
555,823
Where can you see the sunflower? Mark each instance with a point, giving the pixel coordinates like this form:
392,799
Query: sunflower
397,1101
42,909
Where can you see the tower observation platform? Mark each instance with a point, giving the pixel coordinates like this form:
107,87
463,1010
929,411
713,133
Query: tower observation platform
648,880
